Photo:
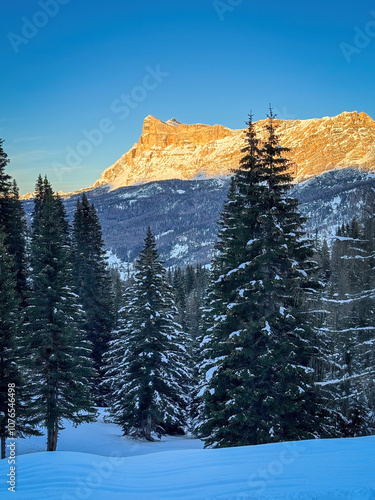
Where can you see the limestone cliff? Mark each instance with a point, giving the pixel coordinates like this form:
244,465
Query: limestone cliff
172,150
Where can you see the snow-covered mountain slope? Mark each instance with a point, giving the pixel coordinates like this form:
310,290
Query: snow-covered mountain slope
181,214
96,463
173,150
333,198
184,214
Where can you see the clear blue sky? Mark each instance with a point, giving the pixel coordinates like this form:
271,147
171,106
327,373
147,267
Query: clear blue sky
68,74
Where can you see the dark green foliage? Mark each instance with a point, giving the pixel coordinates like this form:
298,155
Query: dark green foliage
12,356
13,221
350,325
180,296
59,355
257,350
146,363
16,241
324,261
92,281
117,287
9,327
12,296
190,287
5,182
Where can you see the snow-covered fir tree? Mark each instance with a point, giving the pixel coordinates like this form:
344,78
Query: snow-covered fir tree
257,354
350,325
195,281
9,326
12,376
324,362
59,355
146,366
12,295
93,282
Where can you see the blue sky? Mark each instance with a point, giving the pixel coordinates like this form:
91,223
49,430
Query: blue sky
69,65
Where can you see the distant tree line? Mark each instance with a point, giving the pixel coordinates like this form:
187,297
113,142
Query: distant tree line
275,342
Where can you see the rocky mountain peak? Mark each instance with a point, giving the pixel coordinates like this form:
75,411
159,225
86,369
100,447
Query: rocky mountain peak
173,150
173,121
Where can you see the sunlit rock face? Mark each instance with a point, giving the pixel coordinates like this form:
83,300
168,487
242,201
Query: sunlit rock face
173,150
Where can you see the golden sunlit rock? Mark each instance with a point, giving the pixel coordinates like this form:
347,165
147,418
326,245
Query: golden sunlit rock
172,150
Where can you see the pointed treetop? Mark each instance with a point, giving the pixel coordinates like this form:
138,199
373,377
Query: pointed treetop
15,189
5,179
271,115
43,187
270,126
84,199
150,240
48,191
4,160
39,184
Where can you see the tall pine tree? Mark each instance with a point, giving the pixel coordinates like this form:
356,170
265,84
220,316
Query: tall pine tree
5,186
146,364
13,221
12,303
350,326
13,372
10,323
16,242
257,353
59,358
92,281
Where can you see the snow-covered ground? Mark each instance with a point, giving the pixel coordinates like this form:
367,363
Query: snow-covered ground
103,438
94,462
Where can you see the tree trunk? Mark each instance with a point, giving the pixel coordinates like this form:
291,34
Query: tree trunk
52,434
148,428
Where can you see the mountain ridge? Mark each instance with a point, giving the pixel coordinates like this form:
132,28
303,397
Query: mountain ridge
173,150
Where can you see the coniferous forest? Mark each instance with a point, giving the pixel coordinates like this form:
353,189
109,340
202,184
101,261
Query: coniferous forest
274,342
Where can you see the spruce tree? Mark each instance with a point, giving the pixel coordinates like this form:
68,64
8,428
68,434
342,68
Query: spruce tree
13,376
146,364
59,355
16,242
325,362
92,281
5,186
12,303
257,353
13,221
117,286
350,326
196,281
9,327
180,296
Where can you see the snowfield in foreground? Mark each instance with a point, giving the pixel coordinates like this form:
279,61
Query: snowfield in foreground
103,465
